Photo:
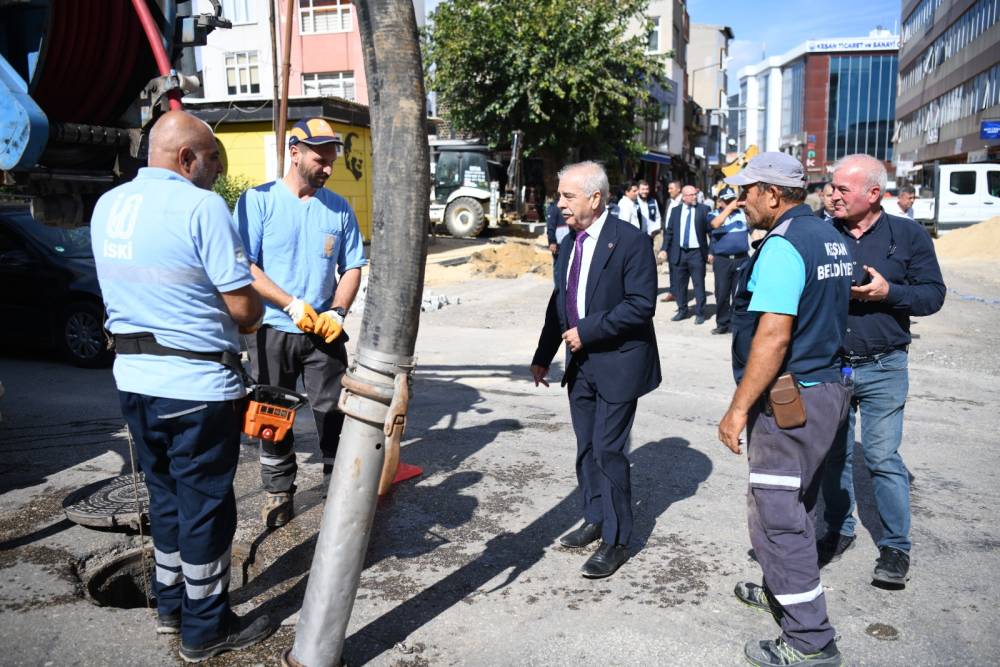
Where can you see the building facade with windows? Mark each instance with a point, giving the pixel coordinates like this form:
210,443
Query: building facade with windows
667,32
822,100
326,56
948,107
707,82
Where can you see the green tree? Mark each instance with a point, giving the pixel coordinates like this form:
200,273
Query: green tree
563,71
230,187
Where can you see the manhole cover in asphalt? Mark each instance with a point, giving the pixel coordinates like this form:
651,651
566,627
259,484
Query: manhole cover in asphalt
109,503
882,631
125,581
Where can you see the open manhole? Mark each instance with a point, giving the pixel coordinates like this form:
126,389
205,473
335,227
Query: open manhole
119,581
110,503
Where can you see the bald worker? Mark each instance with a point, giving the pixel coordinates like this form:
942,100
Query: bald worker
176,286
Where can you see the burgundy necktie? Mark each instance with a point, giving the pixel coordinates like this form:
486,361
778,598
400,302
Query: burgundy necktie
572,317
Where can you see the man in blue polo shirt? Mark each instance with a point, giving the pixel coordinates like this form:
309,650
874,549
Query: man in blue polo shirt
898,277
729,248
176,285
789,317
306,254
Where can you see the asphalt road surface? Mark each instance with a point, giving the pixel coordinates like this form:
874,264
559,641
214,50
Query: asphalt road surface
463,569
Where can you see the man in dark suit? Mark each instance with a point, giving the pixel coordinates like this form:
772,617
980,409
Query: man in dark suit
602,307
686,243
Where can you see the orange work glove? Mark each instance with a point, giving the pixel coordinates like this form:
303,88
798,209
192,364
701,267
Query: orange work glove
329,326
302,314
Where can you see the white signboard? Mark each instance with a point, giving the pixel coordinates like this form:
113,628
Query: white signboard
855,44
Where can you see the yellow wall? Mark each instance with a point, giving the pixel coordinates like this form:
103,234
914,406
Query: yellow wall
244,145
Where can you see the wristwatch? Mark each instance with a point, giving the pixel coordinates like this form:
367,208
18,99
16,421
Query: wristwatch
340,310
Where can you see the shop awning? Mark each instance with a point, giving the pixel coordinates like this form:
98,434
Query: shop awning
658,158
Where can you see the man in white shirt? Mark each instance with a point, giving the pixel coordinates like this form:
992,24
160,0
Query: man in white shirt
674,192
627,209
649,210
901,206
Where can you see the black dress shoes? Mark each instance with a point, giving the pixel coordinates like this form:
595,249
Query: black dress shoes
720,330
605,561
699,319
679,316
582,536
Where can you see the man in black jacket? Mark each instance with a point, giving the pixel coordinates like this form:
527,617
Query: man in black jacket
896,276
602,308
685,241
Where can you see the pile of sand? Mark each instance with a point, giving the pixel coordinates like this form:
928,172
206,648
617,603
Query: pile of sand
980,242
512,259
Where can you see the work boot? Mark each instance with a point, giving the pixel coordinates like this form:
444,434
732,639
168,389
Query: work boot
168,624
756,597
241,635
832,546
776,653
279,508
892,566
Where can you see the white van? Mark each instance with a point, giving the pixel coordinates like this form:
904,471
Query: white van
957,195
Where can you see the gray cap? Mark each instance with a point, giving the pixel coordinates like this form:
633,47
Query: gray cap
772,167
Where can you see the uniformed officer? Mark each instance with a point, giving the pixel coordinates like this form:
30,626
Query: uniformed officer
176,285
790,312
306,254
729,249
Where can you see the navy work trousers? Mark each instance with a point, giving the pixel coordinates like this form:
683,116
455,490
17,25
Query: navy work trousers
786,469
188,451
602,466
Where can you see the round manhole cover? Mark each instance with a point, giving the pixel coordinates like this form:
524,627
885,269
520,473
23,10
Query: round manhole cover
110,503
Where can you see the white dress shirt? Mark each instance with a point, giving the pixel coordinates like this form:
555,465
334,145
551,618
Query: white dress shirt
627,211
589,246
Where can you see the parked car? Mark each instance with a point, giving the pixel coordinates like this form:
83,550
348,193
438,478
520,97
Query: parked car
48,289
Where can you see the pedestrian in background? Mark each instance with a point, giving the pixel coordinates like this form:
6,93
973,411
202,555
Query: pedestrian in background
628,209
789,319
685,243
897,277
674,200
555,229
827,197
901,206
649,212
306,254
611,355
730,247
176,287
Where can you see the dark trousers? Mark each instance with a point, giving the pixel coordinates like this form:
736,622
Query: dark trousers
602,466
188,451
786,470
724,271
280,359
690,266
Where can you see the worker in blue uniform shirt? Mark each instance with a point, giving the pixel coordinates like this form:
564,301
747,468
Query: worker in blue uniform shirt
730,246
897,276
789,317
306,254
176,286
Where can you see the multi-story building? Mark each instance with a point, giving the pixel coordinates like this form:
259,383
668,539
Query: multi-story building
664,137
824,99
949,83
706,86
326,57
